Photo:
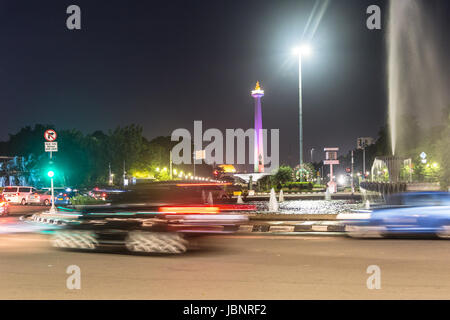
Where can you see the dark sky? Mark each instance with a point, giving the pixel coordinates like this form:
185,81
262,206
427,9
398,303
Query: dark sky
164,64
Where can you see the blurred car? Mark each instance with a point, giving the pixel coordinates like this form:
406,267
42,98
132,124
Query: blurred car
41,197
104,194
172,192
17,194
407,214
98,194
4,206
137,229
63,198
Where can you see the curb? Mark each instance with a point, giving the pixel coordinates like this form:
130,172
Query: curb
307,226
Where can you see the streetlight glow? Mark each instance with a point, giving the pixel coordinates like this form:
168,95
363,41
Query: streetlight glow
303,50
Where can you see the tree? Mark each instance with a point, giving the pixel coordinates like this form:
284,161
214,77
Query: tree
284,174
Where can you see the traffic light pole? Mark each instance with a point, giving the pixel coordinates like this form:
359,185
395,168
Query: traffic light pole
52,209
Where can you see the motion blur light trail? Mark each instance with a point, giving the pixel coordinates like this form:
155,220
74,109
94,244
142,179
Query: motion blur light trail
14,225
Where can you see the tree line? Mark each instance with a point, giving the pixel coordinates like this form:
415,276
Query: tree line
84,159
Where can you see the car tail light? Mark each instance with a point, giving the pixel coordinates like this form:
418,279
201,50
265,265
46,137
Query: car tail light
67,198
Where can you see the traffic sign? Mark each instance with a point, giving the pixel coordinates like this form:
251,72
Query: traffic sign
50,135
51,146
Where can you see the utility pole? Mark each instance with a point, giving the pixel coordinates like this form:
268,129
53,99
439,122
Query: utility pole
110,180
170,165
193,157
124,173
364,161
352,177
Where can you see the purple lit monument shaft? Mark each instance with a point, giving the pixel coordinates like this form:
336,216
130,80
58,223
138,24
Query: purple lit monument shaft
257,94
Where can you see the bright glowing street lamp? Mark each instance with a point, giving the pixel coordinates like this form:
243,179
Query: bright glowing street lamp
302,51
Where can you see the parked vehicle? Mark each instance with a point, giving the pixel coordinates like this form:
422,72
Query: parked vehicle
4,206
17,194
63,198
41,197
57,190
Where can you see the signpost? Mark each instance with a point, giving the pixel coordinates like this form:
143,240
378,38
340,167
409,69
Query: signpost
424,156
51,146
331,159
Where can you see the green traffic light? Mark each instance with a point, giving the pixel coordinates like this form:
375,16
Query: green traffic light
50,174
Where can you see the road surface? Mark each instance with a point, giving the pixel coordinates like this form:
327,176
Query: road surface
232,267
18,210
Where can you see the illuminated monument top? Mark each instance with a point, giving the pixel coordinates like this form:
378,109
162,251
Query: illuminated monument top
257,94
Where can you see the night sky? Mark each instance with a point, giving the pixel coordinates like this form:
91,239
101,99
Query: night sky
164,64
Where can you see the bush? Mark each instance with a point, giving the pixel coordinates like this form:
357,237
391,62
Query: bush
299,186
85,200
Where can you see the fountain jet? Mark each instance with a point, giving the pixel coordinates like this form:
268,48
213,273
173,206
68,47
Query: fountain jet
416,71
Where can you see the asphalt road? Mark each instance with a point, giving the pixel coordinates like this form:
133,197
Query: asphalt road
233,267
18,210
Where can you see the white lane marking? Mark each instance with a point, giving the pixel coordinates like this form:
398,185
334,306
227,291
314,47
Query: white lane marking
282,228
319,228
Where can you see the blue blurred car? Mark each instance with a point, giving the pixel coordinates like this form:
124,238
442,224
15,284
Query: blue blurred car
63,198
406,214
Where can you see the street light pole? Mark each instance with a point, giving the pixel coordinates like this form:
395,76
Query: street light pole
302,50
300,106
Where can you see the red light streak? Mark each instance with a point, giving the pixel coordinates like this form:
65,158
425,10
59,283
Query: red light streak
203,184
189,210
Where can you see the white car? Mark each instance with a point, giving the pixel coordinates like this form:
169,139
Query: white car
16,194
41,197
